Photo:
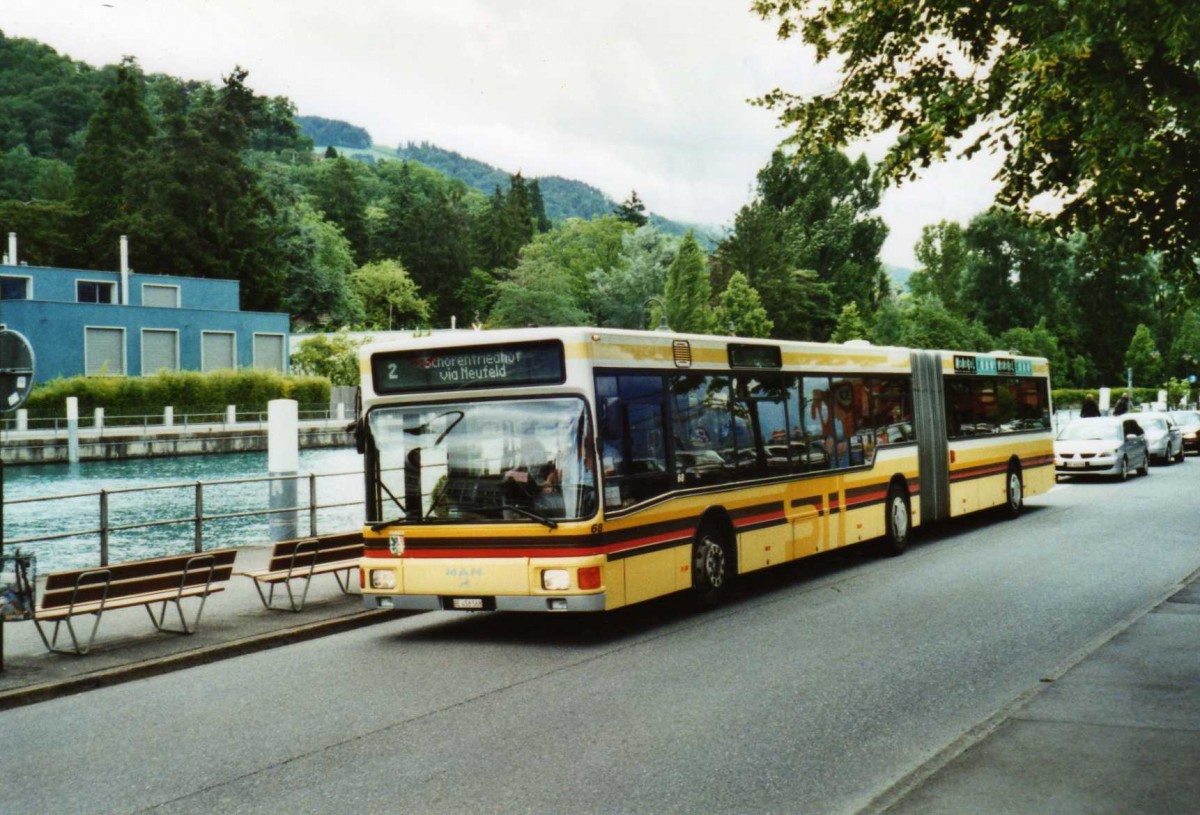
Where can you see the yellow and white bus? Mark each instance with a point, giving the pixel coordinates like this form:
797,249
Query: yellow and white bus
582,469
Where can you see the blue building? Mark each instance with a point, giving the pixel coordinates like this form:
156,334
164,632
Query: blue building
126,324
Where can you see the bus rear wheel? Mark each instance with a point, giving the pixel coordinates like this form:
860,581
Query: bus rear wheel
897,522
710,568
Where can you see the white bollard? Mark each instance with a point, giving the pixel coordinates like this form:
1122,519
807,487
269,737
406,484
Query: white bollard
283,462
72,430
341,411
1105,399
231,414
98,418
22,419
168,416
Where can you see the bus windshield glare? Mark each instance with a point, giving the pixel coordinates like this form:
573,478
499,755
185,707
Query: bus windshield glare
484,461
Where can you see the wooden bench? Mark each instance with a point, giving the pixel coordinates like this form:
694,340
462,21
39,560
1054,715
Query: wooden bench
301,559
161,581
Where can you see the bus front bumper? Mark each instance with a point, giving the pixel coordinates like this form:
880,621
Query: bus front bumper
433,602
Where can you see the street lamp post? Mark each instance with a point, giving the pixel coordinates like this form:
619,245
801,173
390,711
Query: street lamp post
662,312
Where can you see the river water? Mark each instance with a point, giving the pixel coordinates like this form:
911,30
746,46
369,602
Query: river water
339,481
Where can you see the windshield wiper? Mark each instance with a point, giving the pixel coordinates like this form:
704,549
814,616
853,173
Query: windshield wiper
528,513
375,527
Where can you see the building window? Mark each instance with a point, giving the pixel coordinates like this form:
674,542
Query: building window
160,351
218,351
15,288
104,351
158,295
94,291
268,352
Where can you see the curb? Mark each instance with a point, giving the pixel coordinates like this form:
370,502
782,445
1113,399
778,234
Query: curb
45,691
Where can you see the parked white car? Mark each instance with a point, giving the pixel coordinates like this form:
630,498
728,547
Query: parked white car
1101,446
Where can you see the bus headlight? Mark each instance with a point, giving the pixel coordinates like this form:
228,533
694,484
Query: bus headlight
383,579
556,579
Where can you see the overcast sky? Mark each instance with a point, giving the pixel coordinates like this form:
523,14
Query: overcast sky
621,94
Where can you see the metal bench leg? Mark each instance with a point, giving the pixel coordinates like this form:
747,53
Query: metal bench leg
344,582
292,597
52,642
184,627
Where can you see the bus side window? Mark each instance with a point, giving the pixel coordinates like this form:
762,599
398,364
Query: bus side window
633,456
819,433
703,430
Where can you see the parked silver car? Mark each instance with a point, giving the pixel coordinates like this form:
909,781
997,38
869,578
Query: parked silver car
1101,446
1189,425
1163,436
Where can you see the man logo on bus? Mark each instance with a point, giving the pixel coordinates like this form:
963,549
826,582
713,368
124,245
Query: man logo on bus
396,544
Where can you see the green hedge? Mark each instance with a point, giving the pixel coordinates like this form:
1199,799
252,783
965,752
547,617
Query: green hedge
187,391
1065,398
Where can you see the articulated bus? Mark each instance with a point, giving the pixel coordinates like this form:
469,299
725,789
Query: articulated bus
582,469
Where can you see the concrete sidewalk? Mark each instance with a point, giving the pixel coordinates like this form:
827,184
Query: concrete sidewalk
128,647
1117,731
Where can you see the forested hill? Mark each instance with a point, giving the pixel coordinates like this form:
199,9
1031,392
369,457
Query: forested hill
334,131
564,197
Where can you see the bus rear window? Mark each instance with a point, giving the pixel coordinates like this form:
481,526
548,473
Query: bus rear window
485,366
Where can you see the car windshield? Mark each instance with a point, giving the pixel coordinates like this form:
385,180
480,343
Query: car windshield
1091,431
1188,417
529,459
1153,425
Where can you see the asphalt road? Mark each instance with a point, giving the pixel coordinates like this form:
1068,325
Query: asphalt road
815,689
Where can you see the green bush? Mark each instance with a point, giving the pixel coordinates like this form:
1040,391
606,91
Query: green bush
188,392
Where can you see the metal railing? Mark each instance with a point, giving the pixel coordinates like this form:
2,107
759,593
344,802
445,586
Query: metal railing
106,528
57,426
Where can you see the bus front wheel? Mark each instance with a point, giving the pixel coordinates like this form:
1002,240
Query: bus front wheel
710,568
1015,491
898,522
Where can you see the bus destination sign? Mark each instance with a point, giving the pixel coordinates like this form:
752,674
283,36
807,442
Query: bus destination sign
485,366
992,366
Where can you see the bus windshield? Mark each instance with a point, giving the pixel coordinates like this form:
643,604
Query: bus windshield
484,461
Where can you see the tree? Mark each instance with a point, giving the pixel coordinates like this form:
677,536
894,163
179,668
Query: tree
537,293
118,136
618,292
580,248
389,297
1184,354
1040,341
427,228
316,279
1143,358
339,197
927,324
196,207
1014,272
942,253
537,204
813,211
740,310
850,325
1112,293
333,356
687,293
1095,103
632,210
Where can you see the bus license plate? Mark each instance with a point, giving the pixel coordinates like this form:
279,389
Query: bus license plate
467,603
